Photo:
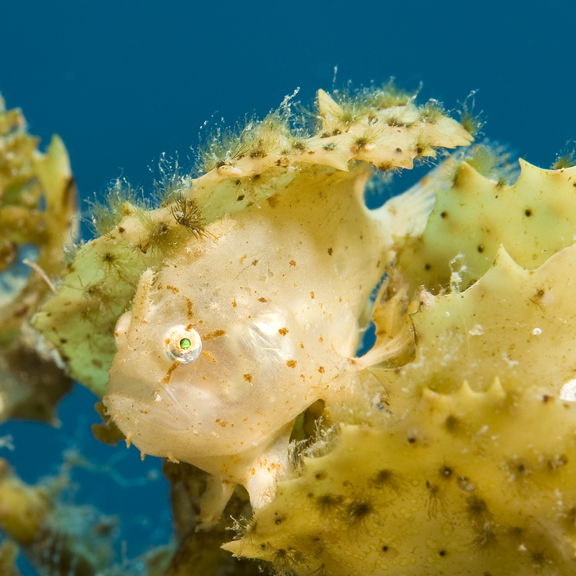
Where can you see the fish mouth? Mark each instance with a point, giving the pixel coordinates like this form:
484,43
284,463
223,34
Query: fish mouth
131,388
147,401
150,417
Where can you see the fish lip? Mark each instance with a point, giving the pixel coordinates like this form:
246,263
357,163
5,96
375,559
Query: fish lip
139,394
131,388
145,415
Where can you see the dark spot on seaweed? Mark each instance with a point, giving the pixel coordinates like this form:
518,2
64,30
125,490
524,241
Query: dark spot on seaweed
557,461
477,510
359,509
446,472
329,502
452,424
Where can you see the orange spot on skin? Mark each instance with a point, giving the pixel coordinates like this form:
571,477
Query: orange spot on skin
168,375
208,356
189,312
212,335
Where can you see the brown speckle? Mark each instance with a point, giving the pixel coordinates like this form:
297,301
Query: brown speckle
209,356
262,299
234,304
215,334
312,295
283,331
291,363
321,370
168,375
254,262
330,251
292,262
248,377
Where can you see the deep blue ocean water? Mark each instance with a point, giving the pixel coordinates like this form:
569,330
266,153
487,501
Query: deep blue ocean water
123,82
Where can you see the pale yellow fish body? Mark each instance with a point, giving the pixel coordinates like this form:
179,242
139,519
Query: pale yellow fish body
275,301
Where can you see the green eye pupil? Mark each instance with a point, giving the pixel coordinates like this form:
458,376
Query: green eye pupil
185,344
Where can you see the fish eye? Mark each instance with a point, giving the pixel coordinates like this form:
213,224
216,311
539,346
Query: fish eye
183,344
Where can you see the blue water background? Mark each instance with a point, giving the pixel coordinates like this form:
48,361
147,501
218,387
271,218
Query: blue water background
123,82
